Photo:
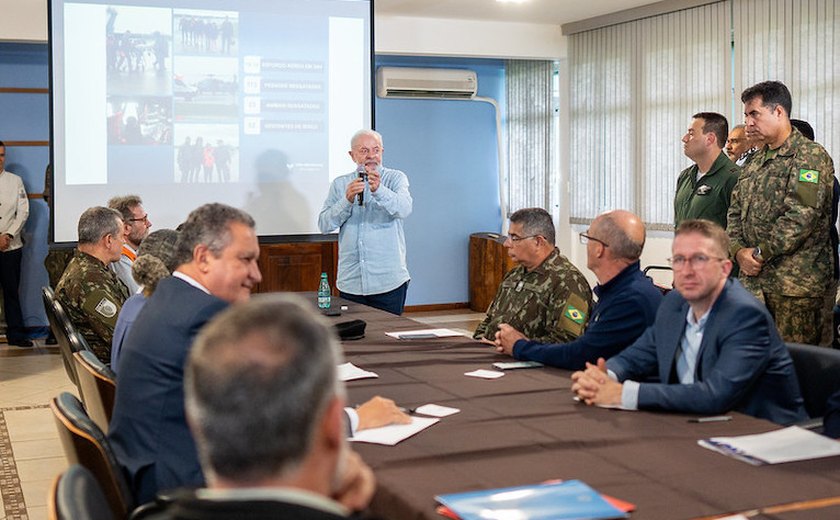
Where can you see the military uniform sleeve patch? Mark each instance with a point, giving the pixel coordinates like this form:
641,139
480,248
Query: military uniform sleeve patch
106,308
812,176
574,315
807,187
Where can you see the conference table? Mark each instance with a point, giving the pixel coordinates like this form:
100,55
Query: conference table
525,428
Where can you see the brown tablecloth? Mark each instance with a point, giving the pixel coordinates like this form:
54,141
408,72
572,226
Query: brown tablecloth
525,428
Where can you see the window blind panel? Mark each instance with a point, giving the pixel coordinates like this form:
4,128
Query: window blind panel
795,42
634,87
530,133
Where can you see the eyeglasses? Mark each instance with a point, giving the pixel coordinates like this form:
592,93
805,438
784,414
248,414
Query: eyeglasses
365,151
517,238
695,261
584,239
144,218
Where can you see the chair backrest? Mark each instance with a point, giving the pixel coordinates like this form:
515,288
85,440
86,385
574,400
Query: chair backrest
53,309
76,495
97,384
818,372
85,444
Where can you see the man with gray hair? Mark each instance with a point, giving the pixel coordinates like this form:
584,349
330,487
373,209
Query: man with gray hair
545,297
368,207
627,299
216,254
136,228
288,356
92,293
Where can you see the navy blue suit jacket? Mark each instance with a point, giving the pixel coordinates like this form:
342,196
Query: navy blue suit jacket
743,364
148,430
626,307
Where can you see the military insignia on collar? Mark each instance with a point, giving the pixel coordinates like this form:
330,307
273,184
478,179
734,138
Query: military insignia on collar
106,308
703,189
812,176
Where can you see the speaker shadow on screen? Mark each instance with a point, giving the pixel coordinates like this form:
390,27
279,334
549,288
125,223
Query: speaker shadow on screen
276,197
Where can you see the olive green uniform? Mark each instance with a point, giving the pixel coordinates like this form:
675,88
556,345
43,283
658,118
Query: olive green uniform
550,304
707,197
782,204
93,297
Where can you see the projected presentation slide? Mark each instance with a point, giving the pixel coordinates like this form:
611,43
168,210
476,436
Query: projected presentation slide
251,103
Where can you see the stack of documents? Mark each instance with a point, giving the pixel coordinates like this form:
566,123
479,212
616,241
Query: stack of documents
423,334
785,445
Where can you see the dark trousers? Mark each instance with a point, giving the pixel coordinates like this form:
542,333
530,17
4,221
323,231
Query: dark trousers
10,282
391,301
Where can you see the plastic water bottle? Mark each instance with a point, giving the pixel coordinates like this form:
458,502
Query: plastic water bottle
324,292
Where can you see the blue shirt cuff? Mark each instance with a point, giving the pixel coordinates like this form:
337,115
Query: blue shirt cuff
353,416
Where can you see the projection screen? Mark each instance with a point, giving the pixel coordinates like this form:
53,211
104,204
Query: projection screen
247,102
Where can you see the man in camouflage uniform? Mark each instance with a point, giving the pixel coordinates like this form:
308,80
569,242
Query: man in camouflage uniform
545,297
704,188
92,293
780,216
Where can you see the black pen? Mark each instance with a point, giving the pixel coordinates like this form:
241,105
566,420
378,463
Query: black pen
408,411
714,418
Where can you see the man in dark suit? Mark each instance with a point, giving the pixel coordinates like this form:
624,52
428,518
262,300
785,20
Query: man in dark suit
217,253
713,346
287,354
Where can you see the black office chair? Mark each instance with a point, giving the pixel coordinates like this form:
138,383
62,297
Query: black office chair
76,495
818,372
53,308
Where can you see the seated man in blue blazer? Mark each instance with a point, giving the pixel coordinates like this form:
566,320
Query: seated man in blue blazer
287,354
713,346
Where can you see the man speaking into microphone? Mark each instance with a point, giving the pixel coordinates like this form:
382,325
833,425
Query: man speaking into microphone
368,206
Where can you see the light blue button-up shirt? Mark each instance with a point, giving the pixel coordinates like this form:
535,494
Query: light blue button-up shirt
371,241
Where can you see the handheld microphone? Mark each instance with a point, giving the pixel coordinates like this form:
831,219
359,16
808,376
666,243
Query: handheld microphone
364,176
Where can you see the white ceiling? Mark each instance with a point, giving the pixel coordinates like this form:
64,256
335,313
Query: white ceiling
531,11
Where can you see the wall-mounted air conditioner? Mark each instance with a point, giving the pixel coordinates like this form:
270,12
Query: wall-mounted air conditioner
411,82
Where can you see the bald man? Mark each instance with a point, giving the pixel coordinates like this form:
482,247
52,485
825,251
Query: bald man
627,299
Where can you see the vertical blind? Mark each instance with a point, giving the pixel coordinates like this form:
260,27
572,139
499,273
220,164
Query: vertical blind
531,133
634,87
796,42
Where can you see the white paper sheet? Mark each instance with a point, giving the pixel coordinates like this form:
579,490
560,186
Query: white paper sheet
392,434
436,410
350,372
785,445
484,374
423,334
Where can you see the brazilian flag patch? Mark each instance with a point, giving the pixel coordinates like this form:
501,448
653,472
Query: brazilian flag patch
812,176
574,314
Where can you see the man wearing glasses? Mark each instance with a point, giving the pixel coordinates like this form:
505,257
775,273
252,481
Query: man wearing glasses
136,224
627,299
92,293
368,207
546,297
713,346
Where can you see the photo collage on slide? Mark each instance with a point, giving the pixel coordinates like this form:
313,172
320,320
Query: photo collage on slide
173,88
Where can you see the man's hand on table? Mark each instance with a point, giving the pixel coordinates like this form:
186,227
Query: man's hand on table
506,337
594,386
380,411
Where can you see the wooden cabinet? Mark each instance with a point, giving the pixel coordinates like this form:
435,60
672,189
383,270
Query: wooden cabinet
489,262
297,266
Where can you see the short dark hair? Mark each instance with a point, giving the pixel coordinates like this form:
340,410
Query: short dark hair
265,369
535,221
708,229
714,123
125,204
2,144
804,128
96,222
209,225
772,94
